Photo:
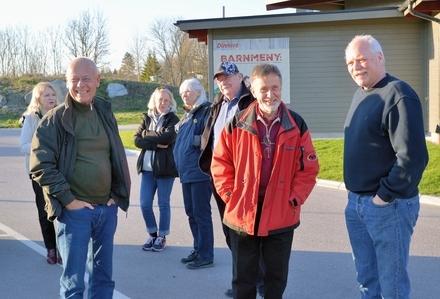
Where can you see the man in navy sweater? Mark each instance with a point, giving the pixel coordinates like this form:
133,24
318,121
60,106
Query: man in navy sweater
384,158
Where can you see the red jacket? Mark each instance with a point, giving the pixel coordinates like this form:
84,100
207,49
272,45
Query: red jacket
236,167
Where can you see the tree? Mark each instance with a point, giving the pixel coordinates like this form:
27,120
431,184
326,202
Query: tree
55,49
151,68
127,70
22,52
8,52
168,38
181,57
138,48
87,36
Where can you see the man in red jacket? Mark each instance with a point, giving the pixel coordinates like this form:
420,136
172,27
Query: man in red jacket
264,167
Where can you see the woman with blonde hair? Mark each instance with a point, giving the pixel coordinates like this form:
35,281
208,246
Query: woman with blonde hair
43,99
155,137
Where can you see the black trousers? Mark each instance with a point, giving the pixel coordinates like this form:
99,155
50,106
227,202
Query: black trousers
221,209
47,227
246,253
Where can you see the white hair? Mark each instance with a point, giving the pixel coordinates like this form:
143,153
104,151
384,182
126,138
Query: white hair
194,85
372,42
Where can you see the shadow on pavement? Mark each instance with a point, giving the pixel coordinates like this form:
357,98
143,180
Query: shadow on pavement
138,274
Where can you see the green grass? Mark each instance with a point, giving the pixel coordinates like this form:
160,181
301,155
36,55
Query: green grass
329,151
430,183
9,120
135,117
128,117
330,160
127,138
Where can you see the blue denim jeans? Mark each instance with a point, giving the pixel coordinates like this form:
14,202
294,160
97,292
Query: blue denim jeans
149,185
380,237
197,197
75,229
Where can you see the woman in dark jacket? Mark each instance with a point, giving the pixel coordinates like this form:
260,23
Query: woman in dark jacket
195,184
155,137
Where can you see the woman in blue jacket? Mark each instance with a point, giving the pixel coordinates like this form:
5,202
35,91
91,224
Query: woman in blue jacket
195,184
155,137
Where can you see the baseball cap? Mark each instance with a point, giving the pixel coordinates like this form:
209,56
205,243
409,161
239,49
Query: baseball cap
226,68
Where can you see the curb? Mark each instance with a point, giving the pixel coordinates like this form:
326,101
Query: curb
424,199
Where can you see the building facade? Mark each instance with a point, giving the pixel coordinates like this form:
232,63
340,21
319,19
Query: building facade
318,85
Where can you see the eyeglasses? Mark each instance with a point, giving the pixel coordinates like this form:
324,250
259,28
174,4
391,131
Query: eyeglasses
76,80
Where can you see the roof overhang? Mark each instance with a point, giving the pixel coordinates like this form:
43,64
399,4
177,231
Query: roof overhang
428,7
305,4
199,28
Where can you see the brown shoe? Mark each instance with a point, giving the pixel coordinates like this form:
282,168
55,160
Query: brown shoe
51,256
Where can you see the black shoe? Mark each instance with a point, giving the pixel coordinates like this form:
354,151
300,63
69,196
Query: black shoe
191,257
159,244
148,246
229,293
199,264
51,256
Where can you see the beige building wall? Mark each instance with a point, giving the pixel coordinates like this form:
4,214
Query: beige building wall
433,57
321,89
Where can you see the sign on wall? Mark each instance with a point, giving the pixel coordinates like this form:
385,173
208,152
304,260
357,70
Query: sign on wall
246,53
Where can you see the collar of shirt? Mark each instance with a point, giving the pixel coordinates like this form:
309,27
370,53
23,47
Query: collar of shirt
234,100
266,121
230,103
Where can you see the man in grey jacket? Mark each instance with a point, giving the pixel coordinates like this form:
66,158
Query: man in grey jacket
78,159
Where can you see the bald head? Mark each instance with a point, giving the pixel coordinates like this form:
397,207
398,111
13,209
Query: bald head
82,78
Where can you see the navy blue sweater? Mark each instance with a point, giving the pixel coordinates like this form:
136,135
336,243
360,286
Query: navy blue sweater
384,148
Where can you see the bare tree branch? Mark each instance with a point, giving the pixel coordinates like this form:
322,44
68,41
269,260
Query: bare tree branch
139,52
87,36
181,57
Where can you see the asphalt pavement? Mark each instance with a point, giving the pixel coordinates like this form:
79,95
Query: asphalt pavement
321,265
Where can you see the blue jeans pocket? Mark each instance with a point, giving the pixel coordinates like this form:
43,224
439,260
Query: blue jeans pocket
410,207
380,206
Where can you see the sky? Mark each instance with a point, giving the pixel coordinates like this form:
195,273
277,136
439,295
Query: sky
125,18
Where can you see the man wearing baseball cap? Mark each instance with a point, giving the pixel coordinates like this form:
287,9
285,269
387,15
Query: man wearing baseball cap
233,97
